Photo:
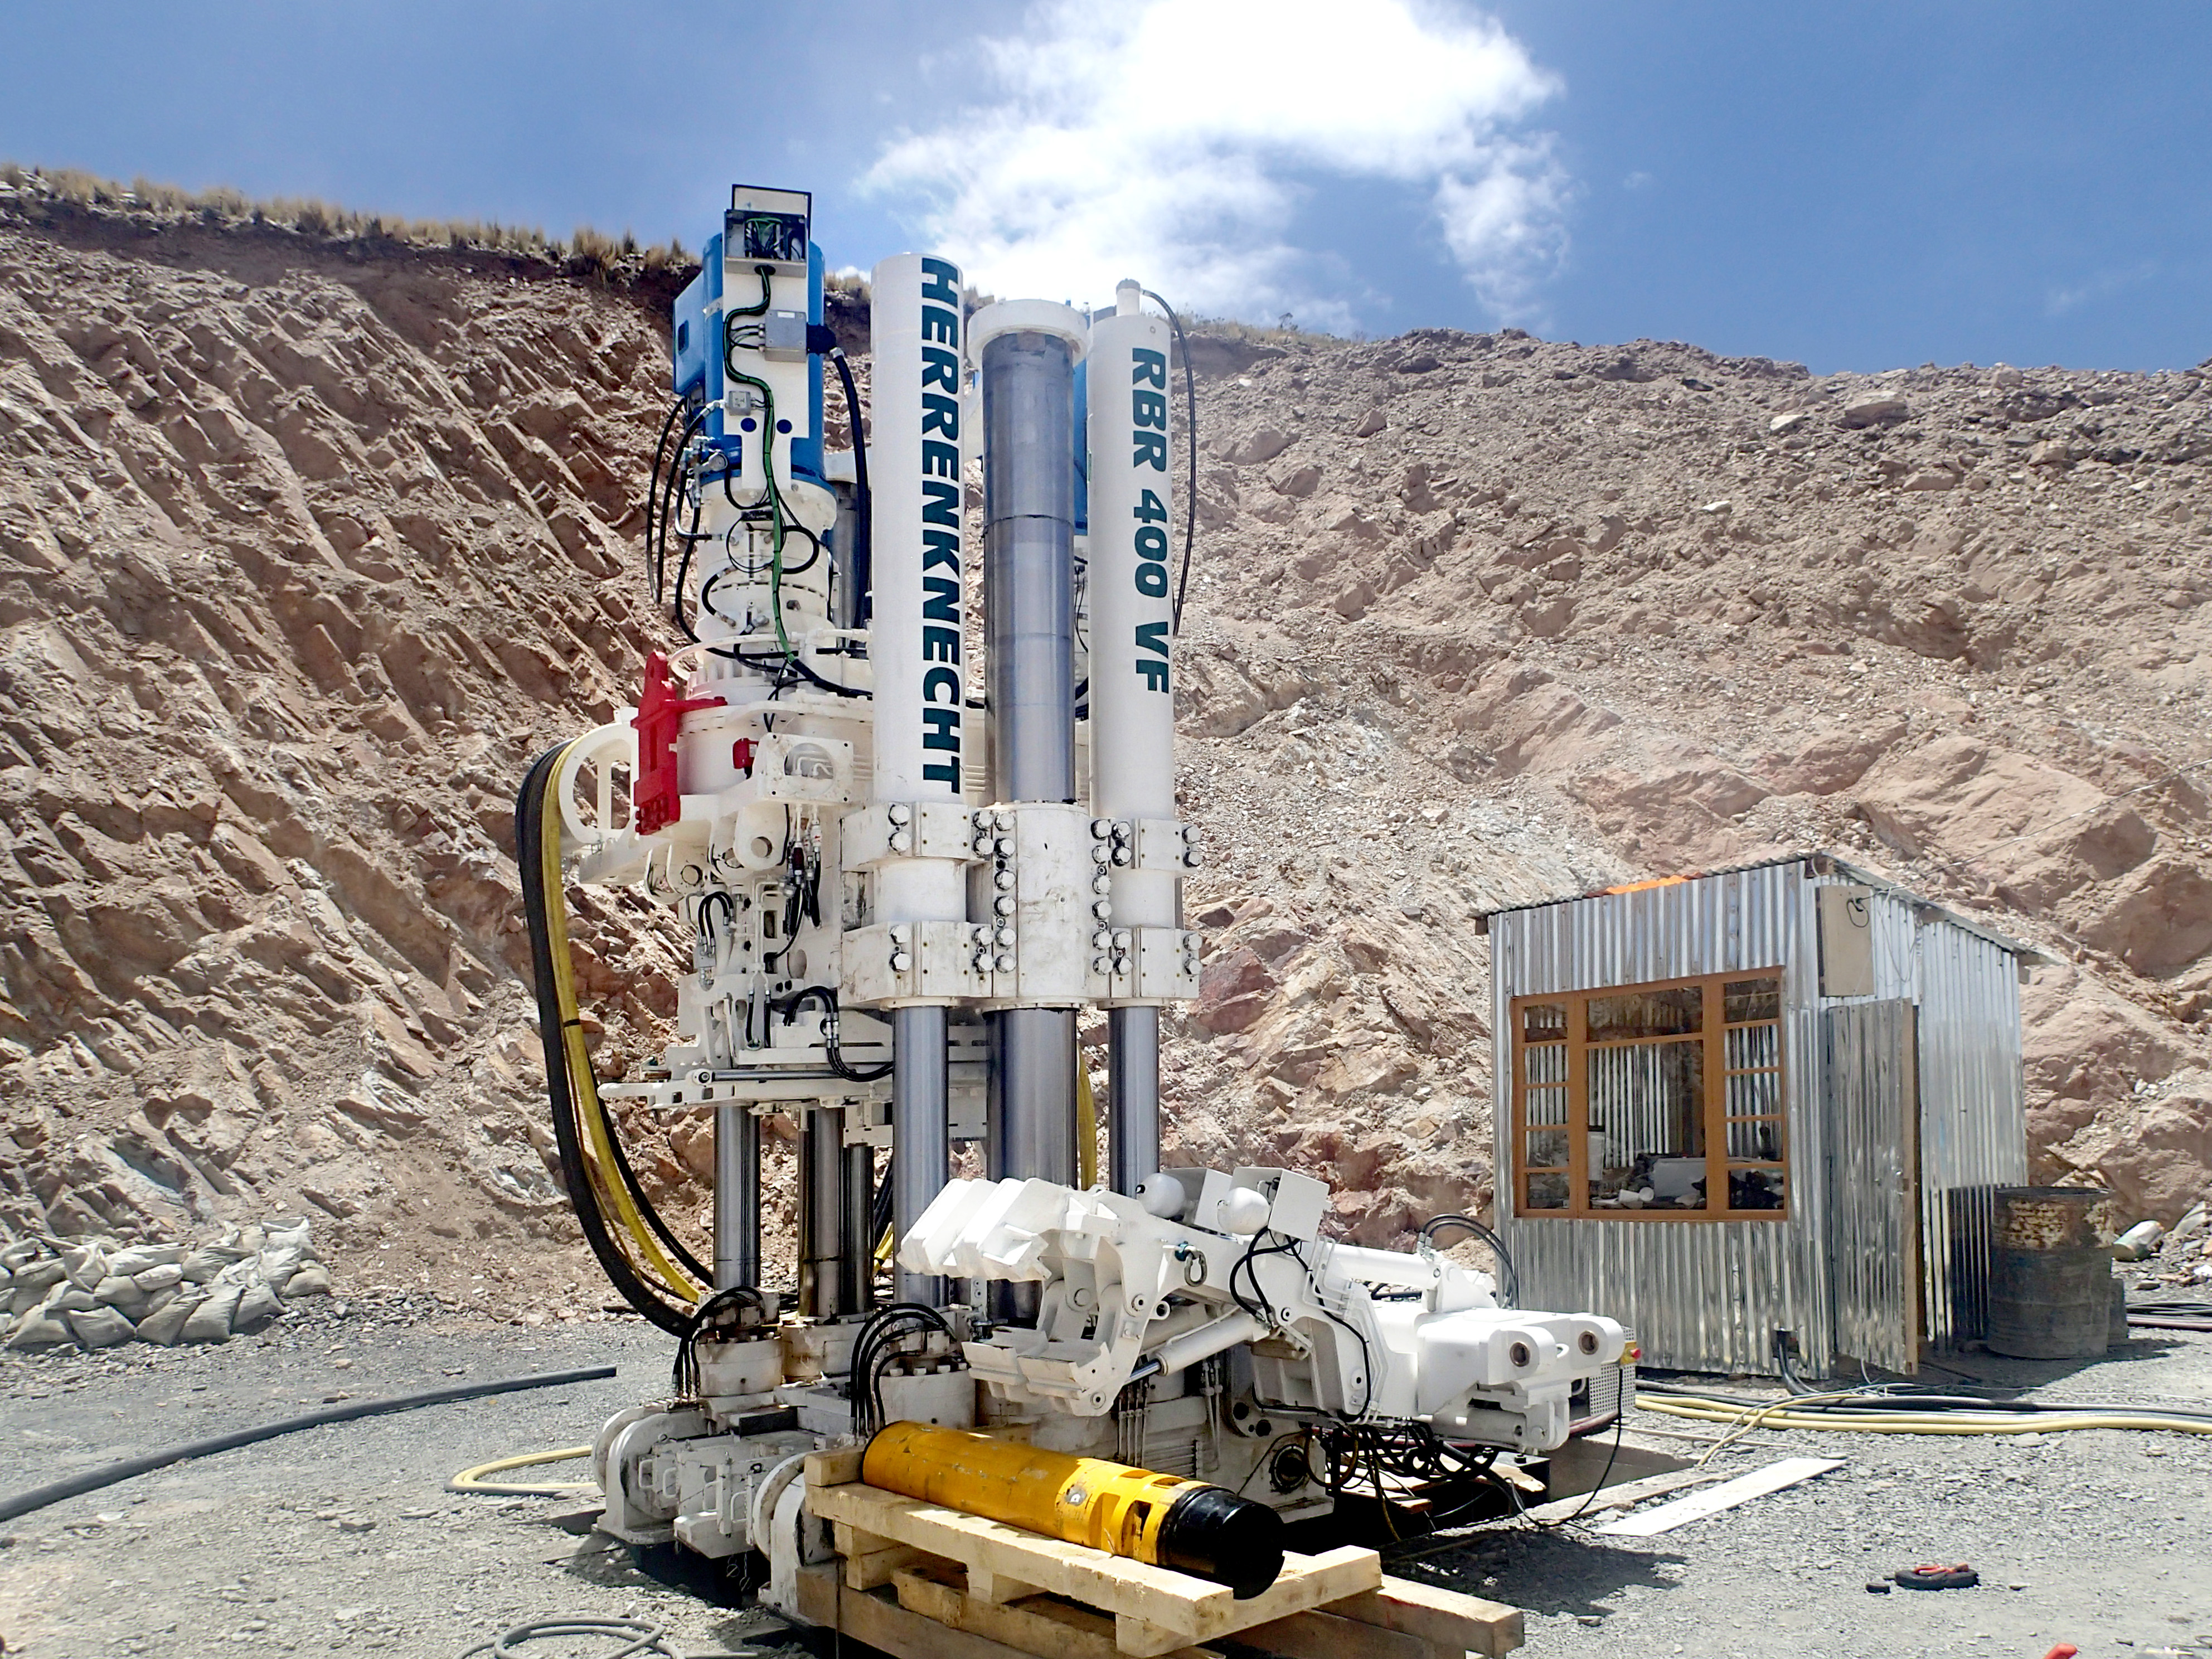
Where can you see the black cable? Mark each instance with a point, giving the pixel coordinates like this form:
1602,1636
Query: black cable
1190,484
1366,1357
717,1314
1508,1273
793,662
864,511
660,527
106,1475
653,491
660,1304
863,1387
684,1259
767,275
879,1209
831,1037
684,569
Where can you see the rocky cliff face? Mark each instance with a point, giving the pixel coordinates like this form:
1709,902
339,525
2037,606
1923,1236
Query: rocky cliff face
306,546
1482,619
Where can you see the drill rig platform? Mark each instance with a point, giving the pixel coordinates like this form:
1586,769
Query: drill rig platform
902,881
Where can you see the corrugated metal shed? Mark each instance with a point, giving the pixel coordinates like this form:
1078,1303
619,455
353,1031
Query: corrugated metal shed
1885,1240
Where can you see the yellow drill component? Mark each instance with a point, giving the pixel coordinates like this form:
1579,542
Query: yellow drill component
1188,1525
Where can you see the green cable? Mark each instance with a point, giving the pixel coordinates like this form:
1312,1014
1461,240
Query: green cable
731,372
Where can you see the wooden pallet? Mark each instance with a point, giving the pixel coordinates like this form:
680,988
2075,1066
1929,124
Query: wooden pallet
922,1582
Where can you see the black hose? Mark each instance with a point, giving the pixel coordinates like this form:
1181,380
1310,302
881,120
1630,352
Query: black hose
657,528
879,1208
864,514
653,491
826,997
1190,484
659,1305
1507,1272
106,1475
689,1262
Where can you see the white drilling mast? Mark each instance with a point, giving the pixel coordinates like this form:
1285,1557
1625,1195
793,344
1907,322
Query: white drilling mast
902,881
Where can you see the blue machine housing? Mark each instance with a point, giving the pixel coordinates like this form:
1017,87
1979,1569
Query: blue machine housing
696,336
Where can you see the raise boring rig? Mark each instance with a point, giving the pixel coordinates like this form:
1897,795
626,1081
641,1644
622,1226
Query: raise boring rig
899,896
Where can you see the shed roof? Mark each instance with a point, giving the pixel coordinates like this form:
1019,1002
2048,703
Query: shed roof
1824,863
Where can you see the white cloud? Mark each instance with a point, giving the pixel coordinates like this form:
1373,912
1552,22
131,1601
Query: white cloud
1176,141
2102,286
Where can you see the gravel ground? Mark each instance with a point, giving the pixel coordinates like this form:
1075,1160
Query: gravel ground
2101,1539
342,1538
333,1540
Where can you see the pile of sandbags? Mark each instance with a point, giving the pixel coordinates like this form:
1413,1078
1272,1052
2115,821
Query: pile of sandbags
95,1293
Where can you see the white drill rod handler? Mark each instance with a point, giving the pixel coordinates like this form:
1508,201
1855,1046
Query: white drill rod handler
1132,1288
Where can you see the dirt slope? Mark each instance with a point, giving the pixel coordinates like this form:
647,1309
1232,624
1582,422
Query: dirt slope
1485,618
307,547
302,556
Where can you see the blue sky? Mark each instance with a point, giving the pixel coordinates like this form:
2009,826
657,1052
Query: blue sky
1851,186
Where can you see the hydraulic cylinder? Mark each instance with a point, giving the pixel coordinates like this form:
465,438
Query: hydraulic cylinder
1190,1526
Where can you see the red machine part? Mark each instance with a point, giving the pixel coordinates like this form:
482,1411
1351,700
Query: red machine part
658,793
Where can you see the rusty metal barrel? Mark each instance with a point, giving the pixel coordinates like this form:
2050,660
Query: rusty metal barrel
2050,1275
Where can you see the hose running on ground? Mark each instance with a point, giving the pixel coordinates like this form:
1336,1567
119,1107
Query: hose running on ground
1793,1413
635,1634
107,1474
475,1478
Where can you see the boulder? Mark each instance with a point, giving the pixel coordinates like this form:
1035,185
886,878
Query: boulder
1232,992
1875,411
1262,446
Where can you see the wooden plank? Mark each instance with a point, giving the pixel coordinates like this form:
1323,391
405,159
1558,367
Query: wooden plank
1621,1496
1172,1600
1320,1633
997,1587
877,1619
1451,1623
1155,1610
1306,1581
1726,1496
1041,1625
870,1560
839,1468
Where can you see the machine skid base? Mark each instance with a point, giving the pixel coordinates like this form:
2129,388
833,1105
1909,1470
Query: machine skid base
922,1582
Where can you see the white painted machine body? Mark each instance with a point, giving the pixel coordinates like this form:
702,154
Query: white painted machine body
901,881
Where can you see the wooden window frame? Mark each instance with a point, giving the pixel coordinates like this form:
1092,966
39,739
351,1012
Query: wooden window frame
1713,1033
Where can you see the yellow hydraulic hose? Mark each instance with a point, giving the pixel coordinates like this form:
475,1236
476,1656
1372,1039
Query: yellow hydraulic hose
1780,1416
599,1160
1086,1129
473,1480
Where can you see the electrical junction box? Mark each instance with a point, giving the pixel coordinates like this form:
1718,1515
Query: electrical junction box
784,336
768,227
1846,923
1300,1203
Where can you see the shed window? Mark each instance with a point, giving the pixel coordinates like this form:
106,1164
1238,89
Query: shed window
1652,1102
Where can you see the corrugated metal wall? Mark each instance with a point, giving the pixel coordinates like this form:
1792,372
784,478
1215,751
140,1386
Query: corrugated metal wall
1701,1294
1872,1195
1973,1121
1709,1295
